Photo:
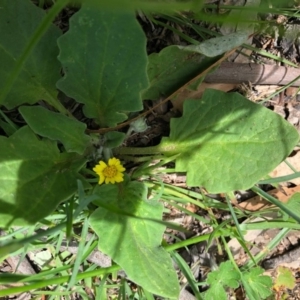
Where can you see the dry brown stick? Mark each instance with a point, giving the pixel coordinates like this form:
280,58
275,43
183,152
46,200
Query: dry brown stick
254,73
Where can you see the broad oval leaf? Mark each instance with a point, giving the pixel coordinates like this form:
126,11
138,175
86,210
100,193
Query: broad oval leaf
55,126
34,178
129,233
104,59
18,21
171,68
227,142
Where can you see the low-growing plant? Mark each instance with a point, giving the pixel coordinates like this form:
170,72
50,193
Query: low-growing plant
78,162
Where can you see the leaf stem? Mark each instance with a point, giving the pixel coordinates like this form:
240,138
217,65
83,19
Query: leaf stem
190,241
57,280
53,101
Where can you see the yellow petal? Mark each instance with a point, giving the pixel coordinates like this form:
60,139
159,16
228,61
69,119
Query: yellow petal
97,169
100,167
101,178
113,161
119,177
108,180
120,168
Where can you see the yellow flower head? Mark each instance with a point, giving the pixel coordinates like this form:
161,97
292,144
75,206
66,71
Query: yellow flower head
110,173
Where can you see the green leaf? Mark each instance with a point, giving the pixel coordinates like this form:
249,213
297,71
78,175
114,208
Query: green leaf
114,139
225,276
227,142
129,233
260,284
172,68
293,203
18,21
8,129
216,292
284,279
56,126
34,178
218,45
106,70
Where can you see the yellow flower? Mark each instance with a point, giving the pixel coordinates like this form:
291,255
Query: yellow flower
110,173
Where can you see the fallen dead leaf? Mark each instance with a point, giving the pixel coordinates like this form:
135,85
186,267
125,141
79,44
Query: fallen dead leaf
258,203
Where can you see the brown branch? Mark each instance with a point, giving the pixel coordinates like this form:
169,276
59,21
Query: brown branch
254,73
